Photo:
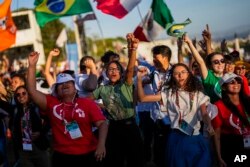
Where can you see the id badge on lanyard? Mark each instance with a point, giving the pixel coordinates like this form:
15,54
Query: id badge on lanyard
246,138
74,130
186,127
27,144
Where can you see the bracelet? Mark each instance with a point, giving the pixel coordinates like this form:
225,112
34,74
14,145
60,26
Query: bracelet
132,48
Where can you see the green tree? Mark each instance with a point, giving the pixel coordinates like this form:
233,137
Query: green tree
50,33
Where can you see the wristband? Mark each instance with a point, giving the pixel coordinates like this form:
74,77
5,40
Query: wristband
132,48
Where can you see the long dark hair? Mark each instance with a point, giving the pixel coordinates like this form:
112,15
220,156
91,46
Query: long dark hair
192,83
119,66
244,99
15,94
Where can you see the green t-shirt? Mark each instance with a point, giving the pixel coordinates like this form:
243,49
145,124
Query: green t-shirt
117,99
211,86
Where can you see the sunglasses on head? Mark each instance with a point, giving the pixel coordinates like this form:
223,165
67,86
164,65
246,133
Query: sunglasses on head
22,93
222,61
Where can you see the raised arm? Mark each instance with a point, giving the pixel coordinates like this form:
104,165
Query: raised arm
208,40
38,97
142,96
223,47
132,47
50,78
191,58
197,56
179,46
90,84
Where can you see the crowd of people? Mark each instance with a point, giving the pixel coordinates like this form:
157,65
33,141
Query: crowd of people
142,114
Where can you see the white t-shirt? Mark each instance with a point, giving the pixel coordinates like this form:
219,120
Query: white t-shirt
184,112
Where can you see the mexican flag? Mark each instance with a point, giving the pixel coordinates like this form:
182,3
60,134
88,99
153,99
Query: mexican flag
48,10
154,22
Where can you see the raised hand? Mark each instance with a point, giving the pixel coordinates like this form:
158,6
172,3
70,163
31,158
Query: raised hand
89,63
223,46
33,58
132,41
142,71
54,52
208,40
202,44
207,34
186,39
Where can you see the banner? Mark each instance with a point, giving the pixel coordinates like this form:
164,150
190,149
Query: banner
154,22
117,8
48,10
7,26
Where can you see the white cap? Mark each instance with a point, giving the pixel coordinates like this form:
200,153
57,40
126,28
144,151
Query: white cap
61,78
228,77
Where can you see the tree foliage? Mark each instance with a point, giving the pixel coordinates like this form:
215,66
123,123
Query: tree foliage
50,32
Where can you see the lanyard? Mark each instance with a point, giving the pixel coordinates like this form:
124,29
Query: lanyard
67,107
191,102
61,114
26,124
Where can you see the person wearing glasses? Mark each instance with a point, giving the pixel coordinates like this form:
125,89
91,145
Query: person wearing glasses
232,124
211,70
229,64
240,69
124,142
29,132
105,59
186,106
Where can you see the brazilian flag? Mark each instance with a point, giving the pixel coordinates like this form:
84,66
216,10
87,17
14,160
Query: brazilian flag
176,29
48,10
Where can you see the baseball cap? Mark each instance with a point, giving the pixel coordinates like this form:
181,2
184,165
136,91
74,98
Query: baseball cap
228,77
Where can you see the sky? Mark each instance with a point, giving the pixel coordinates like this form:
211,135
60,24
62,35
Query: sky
223,16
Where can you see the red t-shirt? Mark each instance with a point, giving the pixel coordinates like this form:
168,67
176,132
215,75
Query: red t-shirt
85,112
227,121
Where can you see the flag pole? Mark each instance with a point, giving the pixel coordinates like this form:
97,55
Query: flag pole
78,42
100,29
139,11
99,26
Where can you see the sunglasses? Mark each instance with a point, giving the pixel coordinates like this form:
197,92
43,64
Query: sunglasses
221,61
235,81
240,68
22,93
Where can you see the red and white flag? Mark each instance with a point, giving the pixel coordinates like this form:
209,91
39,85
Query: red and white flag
117,8
154,22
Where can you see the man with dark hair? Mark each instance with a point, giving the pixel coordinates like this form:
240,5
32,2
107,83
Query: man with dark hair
161,59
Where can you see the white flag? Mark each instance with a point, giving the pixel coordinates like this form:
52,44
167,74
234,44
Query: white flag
62,38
